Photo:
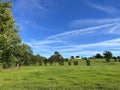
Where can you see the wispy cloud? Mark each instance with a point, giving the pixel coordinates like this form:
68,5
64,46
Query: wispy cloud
82,50
99,45
108,9
81,31
115,30
93,22
44,42
30,15
44,45
67,42
28,7
63,41
92,49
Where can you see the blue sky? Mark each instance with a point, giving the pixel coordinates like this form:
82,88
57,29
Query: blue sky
72,27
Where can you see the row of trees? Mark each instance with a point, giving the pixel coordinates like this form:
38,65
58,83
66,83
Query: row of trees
108,56
57,58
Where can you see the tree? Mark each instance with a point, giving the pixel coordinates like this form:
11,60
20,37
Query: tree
51,60
57,57
78,57
75,62
107,55
23,53
45,60
87,61
115,58
8,34
12,50
69,62
98,55
72,57
38,60
118,57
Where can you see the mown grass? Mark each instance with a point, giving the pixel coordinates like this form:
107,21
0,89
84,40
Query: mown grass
99,76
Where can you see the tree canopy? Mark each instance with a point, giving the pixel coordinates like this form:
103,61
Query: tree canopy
12,50
108,55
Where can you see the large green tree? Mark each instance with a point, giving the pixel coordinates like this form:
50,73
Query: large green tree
11,48
98,55
57,57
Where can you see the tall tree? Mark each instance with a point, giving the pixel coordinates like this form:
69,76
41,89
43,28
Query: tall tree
10,42
72,57
107,55
57,57
98,55
78,57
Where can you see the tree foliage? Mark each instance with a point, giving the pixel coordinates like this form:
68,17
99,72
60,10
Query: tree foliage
107,55
57,57
12,50
98,55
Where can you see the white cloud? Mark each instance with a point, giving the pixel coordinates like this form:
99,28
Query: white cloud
30,10
82,50
39,8
63,41
93,22
115,30
44,42
81,31
91,49
105,44
107,9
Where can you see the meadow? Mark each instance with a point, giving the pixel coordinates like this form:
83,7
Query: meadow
100,75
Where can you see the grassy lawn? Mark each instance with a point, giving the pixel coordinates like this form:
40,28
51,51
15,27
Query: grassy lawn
99,76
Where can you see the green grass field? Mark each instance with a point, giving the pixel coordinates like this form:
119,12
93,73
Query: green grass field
99,76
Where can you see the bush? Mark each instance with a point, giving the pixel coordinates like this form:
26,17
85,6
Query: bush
61,63
4,65
75,62
88,62
45,62
69,63
107,59
115,59
119,60
40,63
51,62
107,55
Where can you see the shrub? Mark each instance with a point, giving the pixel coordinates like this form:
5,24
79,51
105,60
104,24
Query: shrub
87,62
75,62
107,55
4,65
115,59
45,62
61,62
69,63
